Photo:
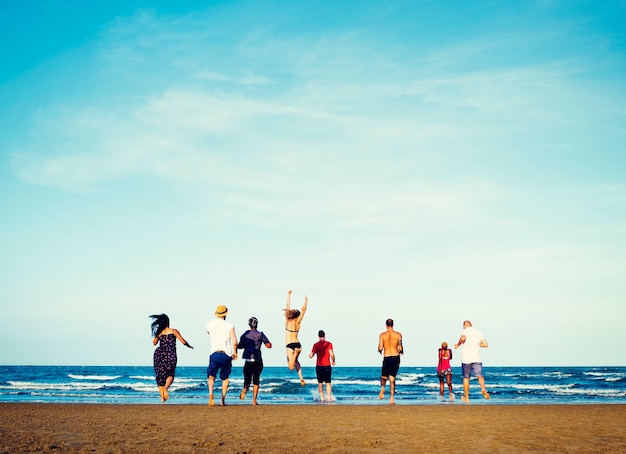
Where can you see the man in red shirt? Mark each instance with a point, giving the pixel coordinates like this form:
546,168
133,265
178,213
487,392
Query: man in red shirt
325,357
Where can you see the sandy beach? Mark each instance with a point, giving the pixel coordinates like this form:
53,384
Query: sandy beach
311,428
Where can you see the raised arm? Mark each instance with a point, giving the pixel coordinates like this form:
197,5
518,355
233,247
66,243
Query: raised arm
303,310
460,342
288,299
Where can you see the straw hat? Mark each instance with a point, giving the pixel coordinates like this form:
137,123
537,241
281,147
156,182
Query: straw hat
221,311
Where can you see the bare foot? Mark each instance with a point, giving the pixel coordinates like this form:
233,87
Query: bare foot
242,396
381,395
486,394
464,398
211,401
302,382
166,395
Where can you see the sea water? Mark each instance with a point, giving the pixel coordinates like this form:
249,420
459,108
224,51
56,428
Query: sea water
351,385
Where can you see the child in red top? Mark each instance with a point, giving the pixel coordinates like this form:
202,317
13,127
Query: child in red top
444,369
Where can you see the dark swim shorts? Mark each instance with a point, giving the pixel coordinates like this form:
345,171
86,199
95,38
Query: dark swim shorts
323,373
391,365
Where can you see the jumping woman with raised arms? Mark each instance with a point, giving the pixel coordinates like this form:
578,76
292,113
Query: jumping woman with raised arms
293,318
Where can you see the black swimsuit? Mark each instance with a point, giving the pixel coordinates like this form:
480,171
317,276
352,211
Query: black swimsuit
293,345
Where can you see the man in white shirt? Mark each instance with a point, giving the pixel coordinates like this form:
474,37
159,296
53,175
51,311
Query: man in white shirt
472,341
223,351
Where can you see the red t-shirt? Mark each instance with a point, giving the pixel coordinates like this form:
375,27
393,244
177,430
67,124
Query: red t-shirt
322,351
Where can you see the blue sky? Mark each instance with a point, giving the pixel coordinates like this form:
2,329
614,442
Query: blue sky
425,161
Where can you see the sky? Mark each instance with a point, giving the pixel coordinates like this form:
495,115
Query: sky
424,161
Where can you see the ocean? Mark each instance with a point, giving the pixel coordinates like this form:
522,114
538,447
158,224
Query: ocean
351,385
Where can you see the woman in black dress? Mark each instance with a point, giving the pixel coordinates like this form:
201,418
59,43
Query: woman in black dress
165,354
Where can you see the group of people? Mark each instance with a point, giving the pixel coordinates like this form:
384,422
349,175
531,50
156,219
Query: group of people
224,346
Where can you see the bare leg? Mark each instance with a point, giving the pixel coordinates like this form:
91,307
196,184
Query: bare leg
329,392
392,389
481,382
242,396
224,391
449,380
255,393
299,370
292,358
161,390
293,363
383,382
211,383
465,397
168,383
441,385
320,390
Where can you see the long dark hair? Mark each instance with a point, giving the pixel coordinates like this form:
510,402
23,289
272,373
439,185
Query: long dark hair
160,322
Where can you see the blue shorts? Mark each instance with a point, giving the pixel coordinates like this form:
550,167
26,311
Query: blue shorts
476,368
222,362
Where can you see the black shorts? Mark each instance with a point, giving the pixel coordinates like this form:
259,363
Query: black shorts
324,374
391,365
252,372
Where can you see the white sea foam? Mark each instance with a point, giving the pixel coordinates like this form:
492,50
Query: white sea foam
606,376
41,386
94,377
592,392
340,381
142,377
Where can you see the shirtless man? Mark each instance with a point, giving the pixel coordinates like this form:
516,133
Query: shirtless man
389,342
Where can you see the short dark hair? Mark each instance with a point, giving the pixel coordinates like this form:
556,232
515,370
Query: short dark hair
389,322
321,333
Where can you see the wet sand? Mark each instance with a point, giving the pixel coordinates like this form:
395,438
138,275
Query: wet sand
311,428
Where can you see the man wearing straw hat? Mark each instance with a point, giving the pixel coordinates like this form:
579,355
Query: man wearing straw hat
223,351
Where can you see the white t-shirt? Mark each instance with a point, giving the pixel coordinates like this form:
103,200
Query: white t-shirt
471,346
219,332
